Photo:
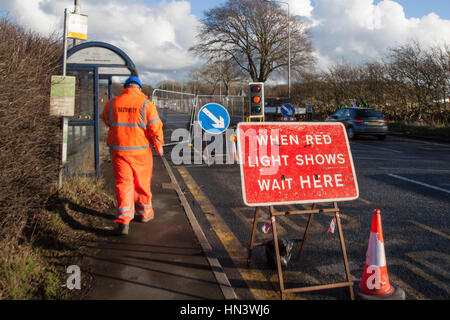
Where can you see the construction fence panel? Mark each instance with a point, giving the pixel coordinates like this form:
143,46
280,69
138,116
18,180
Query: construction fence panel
175,109
234,104
217,148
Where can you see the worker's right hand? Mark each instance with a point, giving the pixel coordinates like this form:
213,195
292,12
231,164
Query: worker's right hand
160,151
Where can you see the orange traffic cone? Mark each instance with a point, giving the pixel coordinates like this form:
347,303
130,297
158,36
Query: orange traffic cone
375,280
233,139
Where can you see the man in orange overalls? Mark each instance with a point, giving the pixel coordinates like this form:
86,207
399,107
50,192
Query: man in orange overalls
134,126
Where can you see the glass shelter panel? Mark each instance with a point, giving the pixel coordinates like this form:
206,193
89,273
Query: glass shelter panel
80,145
80,151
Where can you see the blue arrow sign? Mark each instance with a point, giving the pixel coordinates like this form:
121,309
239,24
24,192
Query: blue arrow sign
287,110
213,118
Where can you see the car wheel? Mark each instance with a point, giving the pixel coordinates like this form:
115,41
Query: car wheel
350,133
381,138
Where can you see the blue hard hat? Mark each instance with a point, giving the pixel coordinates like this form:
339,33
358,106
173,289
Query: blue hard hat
133,79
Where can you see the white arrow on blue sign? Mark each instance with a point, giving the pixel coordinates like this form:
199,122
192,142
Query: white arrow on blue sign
287,110
214,118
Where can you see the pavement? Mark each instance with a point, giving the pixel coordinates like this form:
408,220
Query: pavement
167,258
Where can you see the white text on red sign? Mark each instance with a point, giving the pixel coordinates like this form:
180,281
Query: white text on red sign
295,163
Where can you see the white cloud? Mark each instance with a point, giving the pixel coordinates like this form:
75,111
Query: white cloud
357,30
41,16
156,37
301,8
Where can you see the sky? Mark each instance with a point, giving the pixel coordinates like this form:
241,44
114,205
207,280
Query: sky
156,34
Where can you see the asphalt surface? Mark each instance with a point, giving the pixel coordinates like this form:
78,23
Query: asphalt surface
202,230
158,260
407,179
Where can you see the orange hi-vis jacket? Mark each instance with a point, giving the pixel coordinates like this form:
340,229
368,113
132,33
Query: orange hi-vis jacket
134,123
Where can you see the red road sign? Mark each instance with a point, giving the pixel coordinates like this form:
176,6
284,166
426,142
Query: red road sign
287,163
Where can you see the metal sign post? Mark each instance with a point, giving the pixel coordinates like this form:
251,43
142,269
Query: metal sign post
65,120
294,163
311,212
62,102
75,26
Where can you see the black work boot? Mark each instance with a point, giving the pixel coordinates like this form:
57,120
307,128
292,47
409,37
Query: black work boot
122,229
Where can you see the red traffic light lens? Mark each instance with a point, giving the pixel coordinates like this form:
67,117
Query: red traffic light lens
256,89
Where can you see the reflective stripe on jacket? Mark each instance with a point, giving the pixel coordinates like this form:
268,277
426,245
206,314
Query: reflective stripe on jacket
134,123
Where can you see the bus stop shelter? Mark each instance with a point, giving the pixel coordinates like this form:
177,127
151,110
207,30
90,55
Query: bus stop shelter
91,63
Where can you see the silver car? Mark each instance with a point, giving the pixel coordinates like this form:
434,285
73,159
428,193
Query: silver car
361,121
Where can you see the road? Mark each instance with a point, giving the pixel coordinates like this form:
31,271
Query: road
408,180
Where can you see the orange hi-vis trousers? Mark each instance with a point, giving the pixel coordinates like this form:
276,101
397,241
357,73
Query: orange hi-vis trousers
133,174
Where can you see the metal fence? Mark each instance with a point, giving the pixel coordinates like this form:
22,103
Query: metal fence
234,104
177,110
180,109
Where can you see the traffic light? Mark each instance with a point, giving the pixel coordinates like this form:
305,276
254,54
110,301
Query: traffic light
256,97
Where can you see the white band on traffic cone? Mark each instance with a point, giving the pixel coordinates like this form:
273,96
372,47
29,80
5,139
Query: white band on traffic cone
375,255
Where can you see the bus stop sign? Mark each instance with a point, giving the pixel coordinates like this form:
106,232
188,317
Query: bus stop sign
289,163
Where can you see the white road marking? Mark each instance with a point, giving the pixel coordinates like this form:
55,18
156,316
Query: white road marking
373,147
398,159
383,159
421,170
419,183
422,142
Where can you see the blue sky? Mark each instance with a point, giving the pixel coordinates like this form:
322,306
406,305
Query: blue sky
413,8
420,8
199,6
157,34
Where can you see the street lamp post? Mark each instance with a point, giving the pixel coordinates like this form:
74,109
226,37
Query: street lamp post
289,44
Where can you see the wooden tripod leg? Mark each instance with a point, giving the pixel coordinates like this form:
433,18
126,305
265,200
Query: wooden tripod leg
305,235
344,253
252,239
277,253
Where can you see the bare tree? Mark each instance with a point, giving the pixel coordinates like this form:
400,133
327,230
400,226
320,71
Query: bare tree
209,73
195,83
376,85
253,34
406,66
425,72
170,85
340,77
439,62
216,73
230,73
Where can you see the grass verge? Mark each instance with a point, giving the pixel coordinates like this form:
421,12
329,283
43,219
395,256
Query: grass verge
420,129
75,216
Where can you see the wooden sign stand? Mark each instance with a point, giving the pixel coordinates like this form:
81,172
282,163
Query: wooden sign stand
311,212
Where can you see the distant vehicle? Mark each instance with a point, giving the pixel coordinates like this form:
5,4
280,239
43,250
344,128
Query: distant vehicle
272,110
361,121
